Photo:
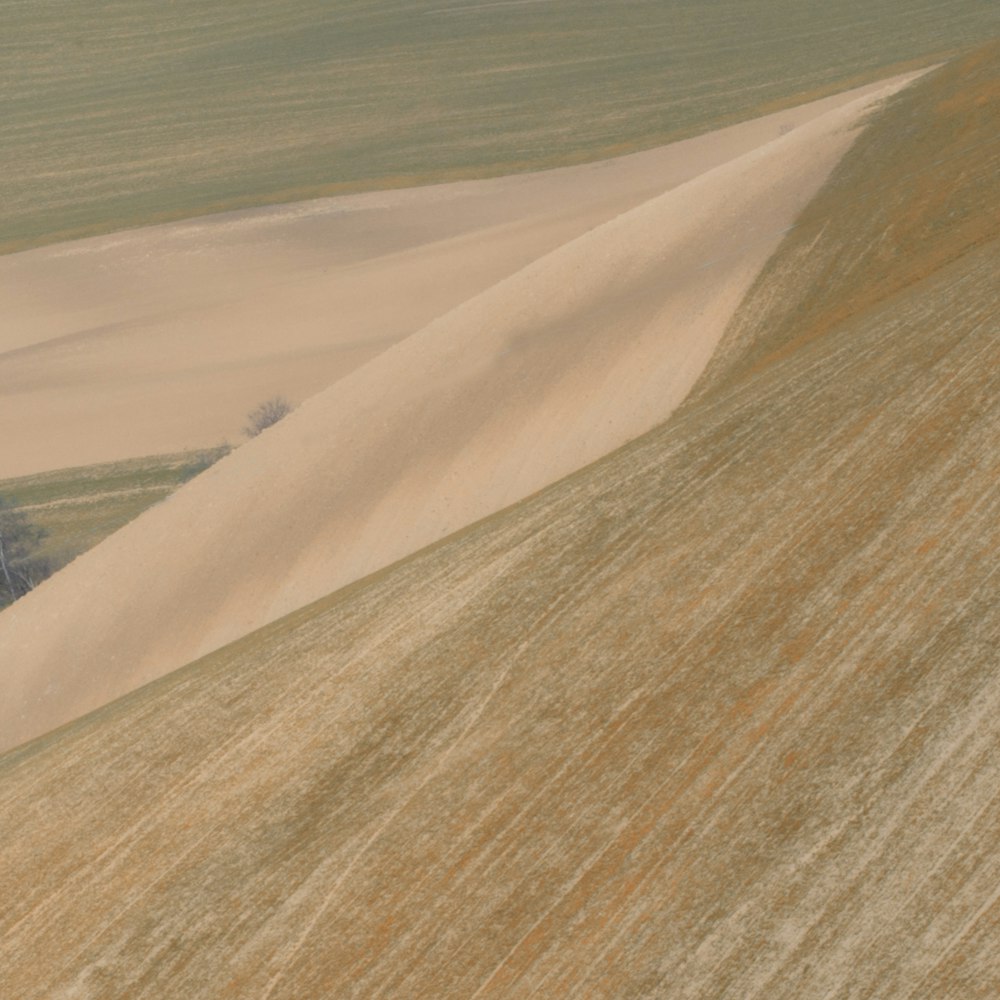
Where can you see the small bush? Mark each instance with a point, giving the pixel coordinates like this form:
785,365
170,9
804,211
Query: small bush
266,415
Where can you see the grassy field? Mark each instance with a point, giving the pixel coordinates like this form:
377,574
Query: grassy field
715,717
890,216
79,507
122,112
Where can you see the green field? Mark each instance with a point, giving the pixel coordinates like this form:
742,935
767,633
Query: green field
80,507
118,112
890,217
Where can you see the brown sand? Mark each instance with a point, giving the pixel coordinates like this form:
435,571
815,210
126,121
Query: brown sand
546,371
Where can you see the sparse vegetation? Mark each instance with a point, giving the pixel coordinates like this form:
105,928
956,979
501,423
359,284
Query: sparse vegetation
21,566
267,415
74,509
920,214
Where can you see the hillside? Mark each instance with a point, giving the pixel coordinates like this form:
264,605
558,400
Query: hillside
547,370
714,717
128,112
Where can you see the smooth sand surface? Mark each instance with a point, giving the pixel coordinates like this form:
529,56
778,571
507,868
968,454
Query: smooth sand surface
546,371
162,339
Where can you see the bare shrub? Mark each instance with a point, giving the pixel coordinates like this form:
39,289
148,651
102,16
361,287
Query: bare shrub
266,415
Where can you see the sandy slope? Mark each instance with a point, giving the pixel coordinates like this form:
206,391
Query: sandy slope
571,357
162,339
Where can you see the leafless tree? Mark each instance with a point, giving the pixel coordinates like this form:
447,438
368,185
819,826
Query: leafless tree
267,414
21,569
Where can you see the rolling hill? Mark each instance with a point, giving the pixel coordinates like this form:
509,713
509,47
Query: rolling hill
126,112
713,717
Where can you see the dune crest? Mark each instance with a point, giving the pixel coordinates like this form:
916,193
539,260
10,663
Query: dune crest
548,370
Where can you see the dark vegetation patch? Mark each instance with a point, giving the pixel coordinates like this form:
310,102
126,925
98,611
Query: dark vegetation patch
71,510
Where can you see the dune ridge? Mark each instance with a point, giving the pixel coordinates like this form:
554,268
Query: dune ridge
548,370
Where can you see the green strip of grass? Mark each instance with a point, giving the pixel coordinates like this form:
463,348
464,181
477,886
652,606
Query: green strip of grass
80,507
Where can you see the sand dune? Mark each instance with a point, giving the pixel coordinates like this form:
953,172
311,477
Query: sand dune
162,339
546,371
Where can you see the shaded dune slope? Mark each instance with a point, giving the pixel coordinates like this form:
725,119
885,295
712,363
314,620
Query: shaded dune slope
571,357
714,717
